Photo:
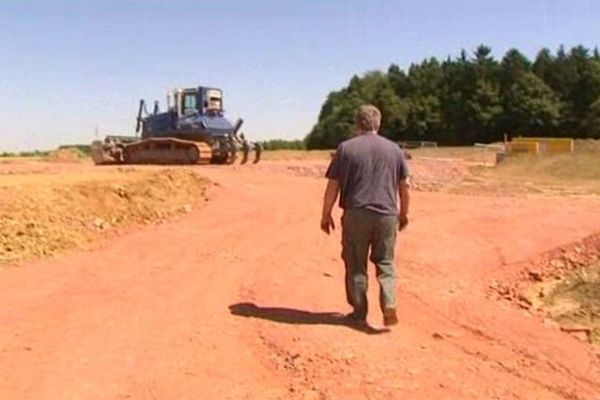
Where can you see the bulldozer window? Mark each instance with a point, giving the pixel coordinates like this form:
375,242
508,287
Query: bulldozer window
189,103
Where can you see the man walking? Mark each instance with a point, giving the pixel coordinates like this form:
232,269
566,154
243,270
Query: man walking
369,172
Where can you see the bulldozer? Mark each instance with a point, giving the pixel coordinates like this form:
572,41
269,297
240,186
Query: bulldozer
193,130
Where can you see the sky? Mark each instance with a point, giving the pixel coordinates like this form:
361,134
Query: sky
72,71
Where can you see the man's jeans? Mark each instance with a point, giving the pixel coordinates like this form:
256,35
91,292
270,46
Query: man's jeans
364,230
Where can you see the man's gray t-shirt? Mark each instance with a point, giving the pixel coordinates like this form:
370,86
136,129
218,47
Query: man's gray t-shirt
368,169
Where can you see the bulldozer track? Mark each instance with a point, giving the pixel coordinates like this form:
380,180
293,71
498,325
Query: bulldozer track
167,151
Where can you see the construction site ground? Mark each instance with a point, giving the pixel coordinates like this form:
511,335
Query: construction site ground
215,282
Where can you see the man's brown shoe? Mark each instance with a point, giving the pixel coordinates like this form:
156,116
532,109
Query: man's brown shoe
356,318
389,317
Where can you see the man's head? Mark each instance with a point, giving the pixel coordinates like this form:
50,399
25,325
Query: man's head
368,119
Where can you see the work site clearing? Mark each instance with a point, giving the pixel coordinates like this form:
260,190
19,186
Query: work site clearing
208,281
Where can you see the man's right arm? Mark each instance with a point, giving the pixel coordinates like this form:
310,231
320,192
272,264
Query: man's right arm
331,191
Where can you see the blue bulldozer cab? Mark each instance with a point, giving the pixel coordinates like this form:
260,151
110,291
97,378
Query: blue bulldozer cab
191,112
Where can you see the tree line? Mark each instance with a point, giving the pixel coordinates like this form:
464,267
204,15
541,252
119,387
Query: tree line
283,144
473,98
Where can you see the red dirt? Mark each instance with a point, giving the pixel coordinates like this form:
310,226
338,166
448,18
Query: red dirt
148,315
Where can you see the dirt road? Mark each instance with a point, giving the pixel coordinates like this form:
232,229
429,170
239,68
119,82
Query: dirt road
233,302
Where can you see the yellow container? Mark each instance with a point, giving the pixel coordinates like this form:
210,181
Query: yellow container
531,148
549,146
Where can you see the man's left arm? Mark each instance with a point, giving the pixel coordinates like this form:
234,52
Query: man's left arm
331,193
403,193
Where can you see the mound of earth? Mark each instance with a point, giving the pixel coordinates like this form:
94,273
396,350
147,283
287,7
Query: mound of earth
70,154
38,220
427,174
433,174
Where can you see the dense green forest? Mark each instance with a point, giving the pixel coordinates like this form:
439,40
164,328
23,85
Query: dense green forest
473,98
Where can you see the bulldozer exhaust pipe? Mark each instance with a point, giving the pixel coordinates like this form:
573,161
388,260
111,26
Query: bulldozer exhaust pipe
237,126
138,123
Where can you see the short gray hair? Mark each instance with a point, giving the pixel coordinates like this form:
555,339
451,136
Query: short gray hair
368,118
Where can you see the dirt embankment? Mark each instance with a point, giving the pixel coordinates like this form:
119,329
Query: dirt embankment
574,302
562,285
43,215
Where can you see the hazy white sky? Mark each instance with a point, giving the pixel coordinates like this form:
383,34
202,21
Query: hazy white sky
68,68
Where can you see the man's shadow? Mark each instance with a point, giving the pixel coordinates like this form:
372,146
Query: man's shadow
300,317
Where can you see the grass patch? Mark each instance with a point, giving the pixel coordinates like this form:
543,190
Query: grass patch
25,154
296,155
566,167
